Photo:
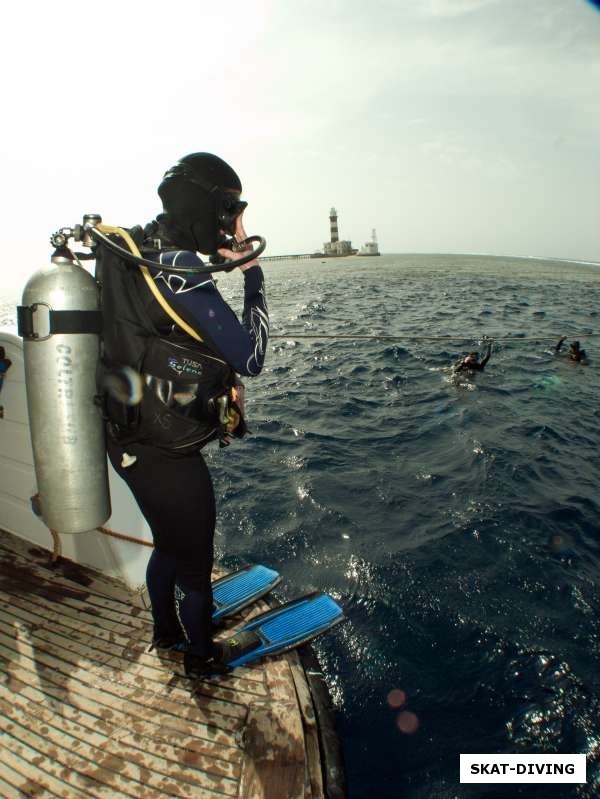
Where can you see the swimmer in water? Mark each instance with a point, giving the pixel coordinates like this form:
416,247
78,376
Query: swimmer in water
471,361
575,352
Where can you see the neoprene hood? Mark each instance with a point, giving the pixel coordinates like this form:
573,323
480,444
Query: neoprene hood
194,193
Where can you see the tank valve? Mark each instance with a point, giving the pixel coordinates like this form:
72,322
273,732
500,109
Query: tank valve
82,232
60,238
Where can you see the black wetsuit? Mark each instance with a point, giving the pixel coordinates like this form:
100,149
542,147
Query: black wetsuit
476,366
174,491
577,355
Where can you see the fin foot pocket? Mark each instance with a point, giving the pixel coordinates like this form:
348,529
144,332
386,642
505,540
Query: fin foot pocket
282,629
198,668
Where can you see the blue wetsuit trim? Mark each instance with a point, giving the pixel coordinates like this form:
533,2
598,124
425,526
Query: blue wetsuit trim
242,344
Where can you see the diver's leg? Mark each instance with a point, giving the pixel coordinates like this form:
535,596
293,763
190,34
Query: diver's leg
193,545
160,580
145,475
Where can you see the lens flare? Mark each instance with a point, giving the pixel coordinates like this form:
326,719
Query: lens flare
407,722
396,698
124,385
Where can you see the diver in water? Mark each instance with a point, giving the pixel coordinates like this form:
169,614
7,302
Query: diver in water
471,361
189,347
575,352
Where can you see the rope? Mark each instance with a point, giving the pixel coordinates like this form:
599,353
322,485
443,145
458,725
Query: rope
356,337
56,549
122,537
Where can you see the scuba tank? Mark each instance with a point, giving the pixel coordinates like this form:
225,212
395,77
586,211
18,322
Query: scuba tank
60,323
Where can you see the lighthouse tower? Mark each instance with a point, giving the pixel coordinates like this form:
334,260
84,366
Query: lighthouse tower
333,225
335,247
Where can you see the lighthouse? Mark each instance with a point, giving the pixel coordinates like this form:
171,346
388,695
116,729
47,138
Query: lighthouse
335,247
333,225
370,247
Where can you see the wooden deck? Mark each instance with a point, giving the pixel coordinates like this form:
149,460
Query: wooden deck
86,711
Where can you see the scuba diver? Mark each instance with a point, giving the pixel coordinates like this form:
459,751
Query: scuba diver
5,364
176,334
471,361
575,352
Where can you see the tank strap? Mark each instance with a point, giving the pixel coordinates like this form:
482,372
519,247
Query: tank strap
57,321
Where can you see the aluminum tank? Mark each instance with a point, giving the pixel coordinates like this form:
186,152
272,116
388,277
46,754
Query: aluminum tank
67,431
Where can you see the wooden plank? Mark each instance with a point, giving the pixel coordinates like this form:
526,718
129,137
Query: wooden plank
43,755
273,764
17,579
209,742
279,679
26,672
80,682
94,729
19,765
8,791
311,733
22,582
77,623
128,673
305,702
83,675
115,624
78,615
90,578
109,761
149,666
282,689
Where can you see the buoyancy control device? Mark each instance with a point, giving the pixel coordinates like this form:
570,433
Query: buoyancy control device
186,389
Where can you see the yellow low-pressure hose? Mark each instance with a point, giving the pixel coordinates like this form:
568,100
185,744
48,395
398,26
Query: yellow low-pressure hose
106,229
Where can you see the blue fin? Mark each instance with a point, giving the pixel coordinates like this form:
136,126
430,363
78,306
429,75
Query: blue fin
282,628
241,588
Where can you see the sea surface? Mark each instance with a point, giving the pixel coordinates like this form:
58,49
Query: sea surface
457,520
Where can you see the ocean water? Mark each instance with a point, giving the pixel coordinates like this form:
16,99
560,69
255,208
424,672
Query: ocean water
458,521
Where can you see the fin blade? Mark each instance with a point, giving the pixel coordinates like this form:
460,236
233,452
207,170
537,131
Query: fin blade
235,591
283,628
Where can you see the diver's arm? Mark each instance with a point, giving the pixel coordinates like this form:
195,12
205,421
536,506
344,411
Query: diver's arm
243,345
196,298
255,318
487,356
560,343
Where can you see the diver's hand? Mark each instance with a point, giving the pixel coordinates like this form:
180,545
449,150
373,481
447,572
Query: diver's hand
235,255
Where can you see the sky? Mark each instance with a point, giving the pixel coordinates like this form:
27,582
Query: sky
447,125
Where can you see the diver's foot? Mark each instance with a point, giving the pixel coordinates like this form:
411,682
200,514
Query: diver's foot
165,643
198,667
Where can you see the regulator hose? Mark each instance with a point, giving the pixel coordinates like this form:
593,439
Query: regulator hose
137,259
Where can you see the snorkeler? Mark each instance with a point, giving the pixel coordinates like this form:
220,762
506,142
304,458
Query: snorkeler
575,352
471,361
